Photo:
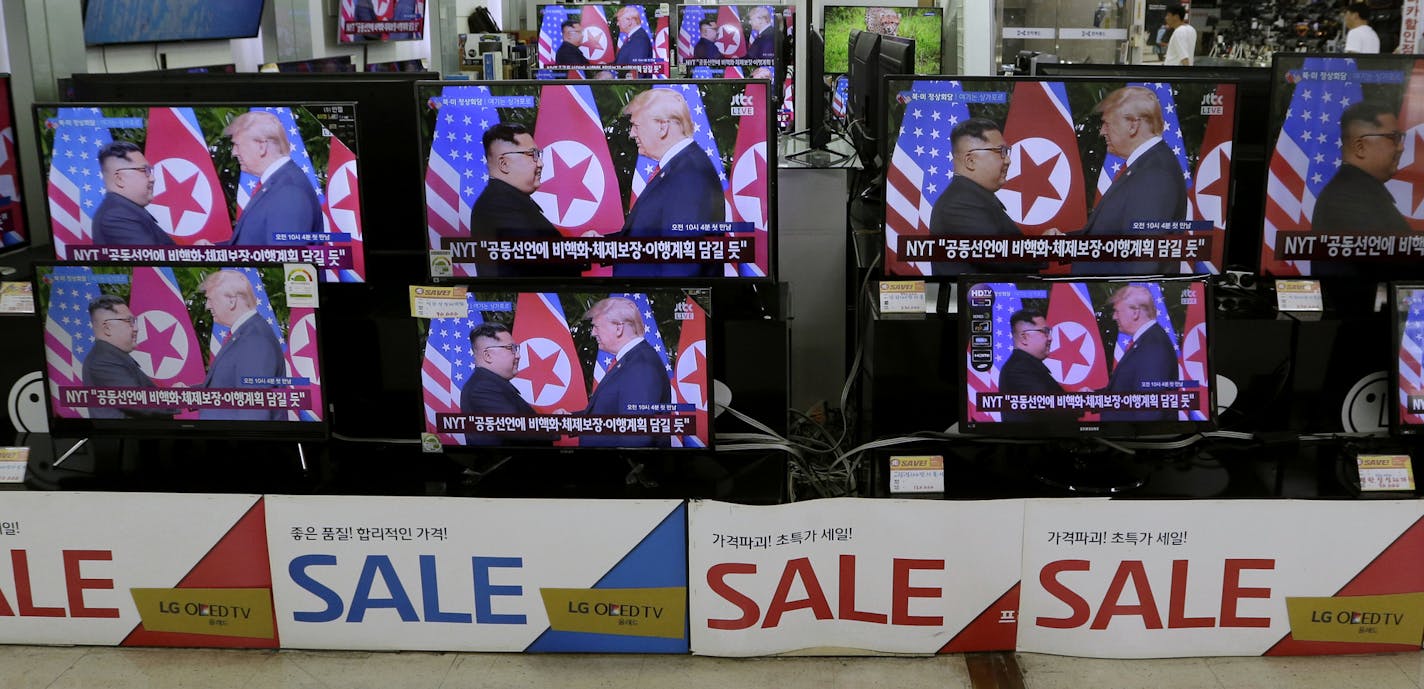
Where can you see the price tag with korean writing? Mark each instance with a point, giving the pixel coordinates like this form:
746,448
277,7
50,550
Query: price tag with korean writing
1385,473
917,474
12,464
902,296
1299,295
438,302
16,297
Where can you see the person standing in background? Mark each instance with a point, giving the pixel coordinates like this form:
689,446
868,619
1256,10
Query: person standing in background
1182,46
1361,38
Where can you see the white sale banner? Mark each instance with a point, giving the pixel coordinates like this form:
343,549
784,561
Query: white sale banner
448,574
898,576
134,569
1150,579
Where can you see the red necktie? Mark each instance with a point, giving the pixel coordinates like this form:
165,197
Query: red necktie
251,196
1120,172
656,169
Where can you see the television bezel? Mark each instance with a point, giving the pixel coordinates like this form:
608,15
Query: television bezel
295,431
773,220
27,236
148,39
1118,430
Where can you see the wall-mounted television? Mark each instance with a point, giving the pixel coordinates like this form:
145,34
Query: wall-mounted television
12,214
146,349
380,20
233,183
628,179
109,22
1067,176
1070,357
751,41
571,367
603,41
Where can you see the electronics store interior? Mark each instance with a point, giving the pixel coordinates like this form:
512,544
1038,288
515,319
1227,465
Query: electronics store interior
951,250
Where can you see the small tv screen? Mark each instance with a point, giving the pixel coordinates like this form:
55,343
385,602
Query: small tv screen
752,41
214,183
12,214
1344,163
110,22
924,25
380,20
1068,357
570,369
1073,176
1407,300
396,66
339,63
627,179
603,41
139,349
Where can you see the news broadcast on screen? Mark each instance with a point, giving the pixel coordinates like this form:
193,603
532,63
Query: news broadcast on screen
12,214
598,41
599,179
1066,357
180,348
741,41
562,369
1080,177
380,20
204,184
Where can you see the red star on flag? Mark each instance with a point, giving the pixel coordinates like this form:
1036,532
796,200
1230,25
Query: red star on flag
567,183
1032,182
540,372
177,197
1069,353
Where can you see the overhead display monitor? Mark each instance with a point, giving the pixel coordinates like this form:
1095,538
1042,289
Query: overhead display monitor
12,214
1071,176
923,25
1067,357
628,179
1345,187
241,183
571,369
753,41
604,41
380,20
181,349
109,22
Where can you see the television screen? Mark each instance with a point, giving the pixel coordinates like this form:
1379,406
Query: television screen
755,41
1068,357
108,22
12,214
1345,163
923,24
570,368
416,65
181,349
1078,176
339,63
380,20
542,179
168,184
603,41
1408,377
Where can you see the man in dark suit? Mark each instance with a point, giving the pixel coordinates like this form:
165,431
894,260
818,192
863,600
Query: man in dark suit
968,206
683,190
1355,199
636,379
121,219
637,46
1149,187
762,39
569,53
1150,357
1024,371
284,201
706,48
488,391
109,364
504,209
250,350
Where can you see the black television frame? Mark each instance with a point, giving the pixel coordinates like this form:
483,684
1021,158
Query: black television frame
256,29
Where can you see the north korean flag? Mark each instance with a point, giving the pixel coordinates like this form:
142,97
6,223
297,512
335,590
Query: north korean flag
597,43
1045,187
1192,353
1407,185
690,379
301,352
188,201
167,349
660,42
729,33
747,192
343,205
550,376
579,189
1212,181
1077,359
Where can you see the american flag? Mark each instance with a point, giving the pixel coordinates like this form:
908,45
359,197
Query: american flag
689,30
551,33
68,335
604,360
76,185
1307,153
456,174
1411,354
920,167
839,95
447,365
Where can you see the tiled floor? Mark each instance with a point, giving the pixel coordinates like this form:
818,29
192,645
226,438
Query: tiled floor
34,667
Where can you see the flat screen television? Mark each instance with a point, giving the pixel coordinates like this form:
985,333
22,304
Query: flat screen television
752,41
923,25
416,65
165,183
336,63
110,22
567,191
142,349
1035,187
603,41
360,21
570,368
1071,357
12,214
1345,162
1407,378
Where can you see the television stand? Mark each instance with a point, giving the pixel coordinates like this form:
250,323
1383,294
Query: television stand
1088,467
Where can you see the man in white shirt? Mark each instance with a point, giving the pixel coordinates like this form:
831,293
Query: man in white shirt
1360,38
1182,46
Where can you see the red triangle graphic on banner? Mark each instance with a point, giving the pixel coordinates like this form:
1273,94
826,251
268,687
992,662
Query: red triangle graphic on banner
238,560
1396,570
990,631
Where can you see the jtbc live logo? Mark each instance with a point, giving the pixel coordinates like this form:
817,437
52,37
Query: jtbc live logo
742,104
627,614
217,614
1213,104
1365,622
